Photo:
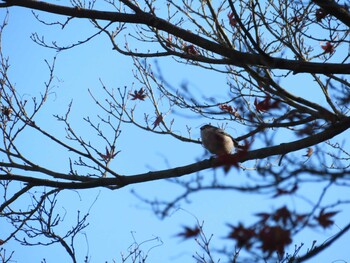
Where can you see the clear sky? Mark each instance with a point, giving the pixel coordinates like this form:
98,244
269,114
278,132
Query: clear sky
118,217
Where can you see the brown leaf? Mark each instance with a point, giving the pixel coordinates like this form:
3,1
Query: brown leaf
242,235
233,21
328,48
274,239
324,219
265,104
138,95
189,232
282,215
158,120
109,154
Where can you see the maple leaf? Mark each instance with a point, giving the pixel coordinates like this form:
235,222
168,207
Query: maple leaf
265,104
282,215
158,120
138,94
233,21
274,239
109,154
242,235
324,219
189,232
320,14
328,48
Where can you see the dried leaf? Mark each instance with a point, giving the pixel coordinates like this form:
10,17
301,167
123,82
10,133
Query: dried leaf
324,219
189,232
328,48
265,104
158,120
138,95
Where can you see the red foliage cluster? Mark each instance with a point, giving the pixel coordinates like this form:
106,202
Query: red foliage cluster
233,111
138,94
272,233
274,239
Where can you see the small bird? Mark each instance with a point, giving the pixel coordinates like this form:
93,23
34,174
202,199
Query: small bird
217,141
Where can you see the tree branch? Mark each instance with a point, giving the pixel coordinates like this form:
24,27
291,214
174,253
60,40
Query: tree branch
336,10
121,181
237,58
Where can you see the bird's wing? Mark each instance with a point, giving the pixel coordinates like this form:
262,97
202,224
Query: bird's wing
221,131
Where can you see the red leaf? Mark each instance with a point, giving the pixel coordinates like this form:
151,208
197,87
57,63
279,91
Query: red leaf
265,104
109,154
189,232
233,21
138,95
230,110
158,120
328,48
324,219
282,215
274,239
191,50
242,235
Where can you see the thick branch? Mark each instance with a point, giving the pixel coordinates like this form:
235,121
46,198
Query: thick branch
122,181
237,58
336,10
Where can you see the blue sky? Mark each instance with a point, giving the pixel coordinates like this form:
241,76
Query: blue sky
117,216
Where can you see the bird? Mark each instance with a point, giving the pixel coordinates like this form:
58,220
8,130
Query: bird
217,141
